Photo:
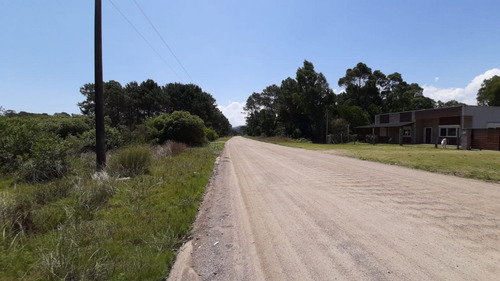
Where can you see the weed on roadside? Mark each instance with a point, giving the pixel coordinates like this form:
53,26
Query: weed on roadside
103,228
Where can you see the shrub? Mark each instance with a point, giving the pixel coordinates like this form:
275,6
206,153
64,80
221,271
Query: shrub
112,135
141,134
74,126
180,126
131,161
32,148
211,134
46,160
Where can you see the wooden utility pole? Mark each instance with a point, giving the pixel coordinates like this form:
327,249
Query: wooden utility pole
99,99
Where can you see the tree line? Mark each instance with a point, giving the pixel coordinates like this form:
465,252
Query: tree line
306,107
135,103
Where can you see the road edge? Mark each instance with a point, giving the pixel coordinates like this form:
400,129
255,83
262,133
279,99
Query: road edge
183,268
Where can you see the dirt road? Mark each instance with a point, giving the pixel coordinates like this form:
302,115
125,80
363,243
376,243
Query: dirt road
279,213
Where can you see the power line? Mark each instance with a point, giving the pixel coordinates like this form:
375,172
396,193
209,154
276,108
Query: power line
144,38
163,40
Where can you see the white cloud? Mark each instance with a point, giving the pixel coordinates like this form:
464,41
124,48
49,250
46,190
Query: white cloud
234,113
466,95
436,79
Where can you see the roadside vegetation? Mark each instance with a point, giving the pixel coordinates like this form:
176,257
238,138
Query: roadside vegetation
60,220
483,165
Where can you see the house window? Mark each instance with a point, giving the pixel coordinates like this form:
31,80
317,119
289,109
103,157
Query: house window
406,131
448,132
383,132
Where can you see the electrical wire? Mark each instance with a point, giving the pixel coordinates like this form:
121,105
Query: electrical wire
161,37
144,38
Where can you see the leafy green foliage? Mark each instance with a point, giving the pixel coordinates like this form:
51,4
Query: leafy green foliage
180,126
46,160
450,103
135,103
489,93
32,148
113,139
211,134
296,108
376,93
131,161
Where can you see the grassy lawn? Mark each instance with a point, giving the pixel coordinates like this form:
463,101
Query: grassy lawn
79,228
484,165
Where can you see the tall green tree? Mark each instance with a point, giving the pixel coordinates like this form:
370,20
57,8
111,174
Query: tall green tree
296,108
262,111
362,88
489,93
315,97
376,93
133,104
114,101
191,98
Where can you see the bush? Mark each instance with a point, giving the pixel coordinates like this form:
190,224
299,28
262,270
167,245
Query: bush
74,126
141,134
211,134
131,161
45,161
180,126
32,147
112,135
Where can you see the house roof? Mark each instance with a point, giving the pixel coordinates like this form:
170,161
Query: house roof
385,125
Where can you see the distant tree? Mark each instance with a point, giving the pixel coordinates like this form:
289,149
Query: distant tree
64,114
489,93
422,102
450,103
9,113
354,115
296,108
191,98
87,106
114,100
362,88
315,97
375,92
133,104
290,115
152,99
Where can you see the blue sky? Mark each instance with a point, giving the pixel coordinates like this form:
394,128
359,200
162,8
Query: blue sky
234,48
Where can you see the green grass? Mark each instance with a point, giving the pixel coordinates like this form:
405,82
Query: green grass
223,139
80,228
483,165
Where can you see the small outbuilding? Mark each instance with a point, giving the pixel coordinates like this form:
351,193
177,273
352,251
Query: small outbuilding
468,127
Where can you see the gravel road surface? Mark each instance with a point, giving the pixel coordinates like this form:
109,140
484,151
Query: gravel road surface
279,213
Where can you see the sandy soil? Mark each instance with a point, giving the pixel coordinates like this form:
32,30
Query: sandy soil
279,213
